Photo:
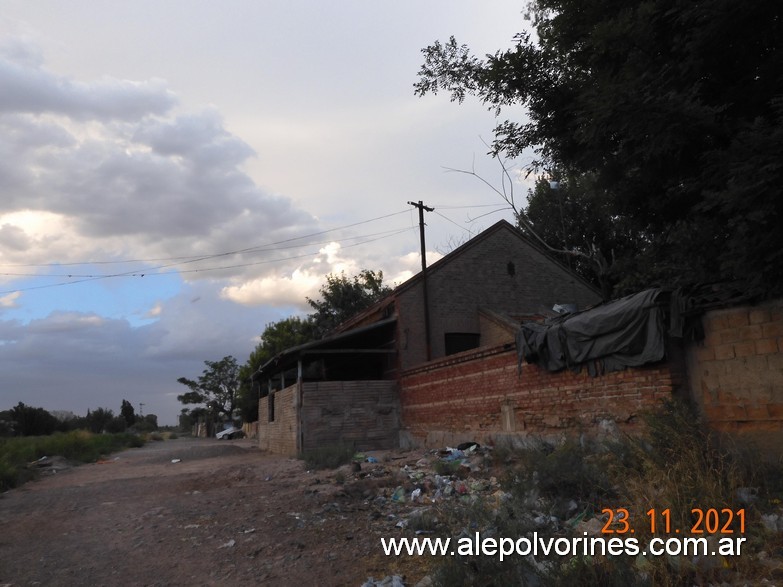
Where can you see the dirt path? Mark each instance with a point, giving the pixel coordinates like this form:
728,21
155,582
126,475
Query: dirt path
225,512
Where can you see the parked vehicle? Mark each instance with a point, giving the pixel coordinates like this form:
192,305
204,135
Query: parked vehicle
230,433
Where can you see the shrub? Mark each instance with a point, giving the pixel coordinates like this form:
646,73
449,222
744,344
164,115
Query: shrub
676,464
79,446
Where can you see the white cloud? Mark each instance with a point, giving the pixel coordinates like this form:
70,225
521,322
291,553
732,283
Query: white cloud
109,169
30,88
155,311
291,290
279,291
9,300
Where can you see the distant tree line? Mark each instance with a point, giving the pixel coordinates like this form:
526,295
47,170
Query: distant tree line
24,420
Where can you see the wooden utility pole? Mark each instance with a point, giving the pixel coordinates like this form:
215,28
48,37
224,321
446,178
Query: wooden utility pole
422,208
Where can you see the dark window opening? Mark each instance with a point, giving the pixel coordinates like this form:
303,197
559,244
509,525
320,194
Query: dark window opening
271,405
456,342
512,270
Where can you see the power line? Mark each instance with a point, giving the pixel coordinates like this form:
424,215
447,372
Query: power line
190,260
150,272
194,258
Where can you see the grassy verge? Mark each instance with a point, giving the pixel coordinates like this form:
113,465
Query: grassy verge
79,445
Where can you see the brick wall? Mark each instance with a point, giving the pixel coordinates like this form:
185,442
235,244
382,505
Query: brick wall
736,375
478,395
364,414
280,435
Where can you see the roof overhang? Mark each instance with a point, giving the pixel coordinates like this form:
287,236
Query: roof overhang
358,341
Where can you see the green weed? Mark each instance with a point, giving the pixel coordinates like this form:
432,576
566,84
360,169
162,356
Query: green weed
78,446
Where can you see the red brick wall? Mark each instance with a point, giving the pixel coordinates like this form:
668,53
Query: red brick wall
736,375
479,395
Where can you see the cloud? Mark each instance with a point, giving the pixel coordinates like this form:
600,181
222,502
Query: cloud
107,360
9,300
118,172
291,290
276,290
155,311
29,88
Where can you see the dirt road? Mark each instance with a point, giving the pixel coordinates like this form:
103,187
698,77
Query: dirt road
223,513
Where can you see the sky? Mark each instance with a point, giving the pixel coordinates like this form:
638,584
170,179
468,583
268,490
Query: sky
176,175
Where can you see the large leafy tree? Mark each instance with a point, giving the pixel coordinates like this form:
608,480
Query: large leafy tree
671,109
343,297
340,298
128,413
30,421
99,419
216,389
277,337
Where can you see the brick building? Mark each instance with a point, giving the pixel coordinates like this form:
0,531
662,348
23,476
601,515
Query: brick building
373,385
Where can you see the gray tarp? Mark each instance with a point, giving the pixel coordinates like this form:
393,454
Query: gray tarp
628,332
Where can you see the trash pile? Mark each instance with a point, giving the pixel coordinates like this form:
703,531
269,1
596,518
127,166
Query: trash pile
50,465
452,473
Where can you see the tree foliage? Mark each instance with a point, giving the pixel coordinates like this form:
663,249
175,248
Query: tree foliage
99,420
128,413
30,421
343,297
216,388
277,337
671,110
340,299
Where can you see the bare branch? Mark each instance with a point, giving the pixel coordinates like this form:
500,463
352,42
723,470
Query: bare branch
507,195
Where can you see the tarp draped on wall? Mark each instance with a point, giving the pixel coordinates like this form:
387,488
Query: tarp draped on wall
628,332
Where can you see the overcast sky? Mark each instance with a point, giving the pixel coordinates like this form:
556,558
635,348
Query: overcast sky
176,175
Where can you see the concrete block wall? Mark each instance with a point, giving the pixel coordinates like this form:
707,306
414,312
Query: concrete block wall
363,414
497,270
280,435
479,395
736,374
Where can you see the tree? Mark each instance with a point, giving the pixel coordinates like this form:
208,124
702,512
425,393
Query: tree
343,298
128,413
99,420
576,219
116,425
29,421
277,337
672,110
216,387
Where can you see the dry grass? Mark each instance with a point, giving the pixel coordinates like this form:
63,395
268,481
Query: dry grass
676,466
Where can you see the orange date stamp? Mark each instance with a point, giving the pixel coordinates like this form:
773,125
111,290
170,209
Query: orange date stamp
704,521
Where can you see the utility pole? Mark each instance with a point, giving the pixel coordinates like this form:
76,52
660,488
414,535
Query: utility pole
422,208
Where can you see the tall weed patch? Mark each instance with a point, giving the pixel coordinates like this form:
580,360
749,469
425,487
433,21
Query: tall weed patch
570,490
78,446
